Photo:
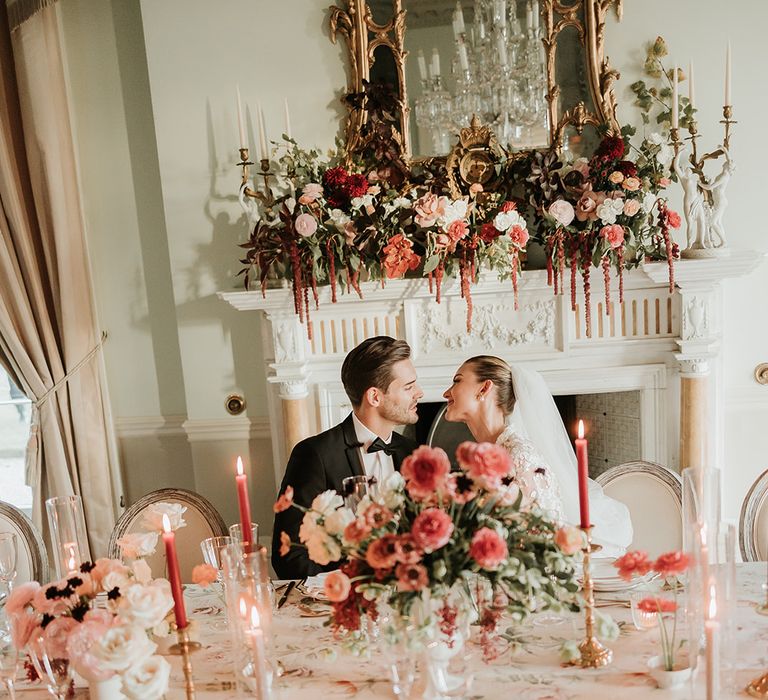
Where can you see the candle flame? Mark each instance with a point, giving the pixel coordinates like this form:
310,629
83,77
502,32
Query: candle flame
166,523
712,612
703,529
255,621
72,563
581,429
239,466
243,608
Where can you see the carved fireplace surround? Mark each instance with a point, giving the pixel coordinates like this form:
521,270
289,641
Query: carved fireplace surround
666,346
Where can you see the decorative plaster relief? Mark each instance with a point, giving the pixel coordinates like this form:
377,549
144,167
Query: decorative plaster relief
493,325
288,347
695,319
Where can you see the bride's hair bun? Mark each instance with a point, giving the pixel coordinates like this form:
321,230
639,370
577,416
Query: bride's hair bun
494,368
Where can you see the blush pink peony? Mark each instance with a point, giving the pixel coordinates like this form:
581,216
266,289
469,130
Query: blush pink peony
425,472
614,234
432,529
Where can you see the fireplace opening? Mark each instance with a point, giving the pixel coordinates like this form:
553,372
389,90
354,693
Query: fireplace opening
612,422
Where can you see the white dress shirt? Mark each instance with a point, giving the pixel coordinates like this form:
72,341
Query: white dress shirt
378,464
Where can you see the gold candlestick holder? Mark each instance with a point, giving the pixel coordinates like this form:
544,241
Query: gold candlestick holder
184,648
758,688
726,121
266,197
593,653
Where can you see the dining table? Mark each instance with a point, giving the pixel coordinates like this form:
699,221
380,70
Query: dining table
314,664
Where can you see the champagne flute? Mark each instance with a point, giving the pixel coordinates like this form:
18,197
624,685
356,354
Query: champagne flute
8,552
9,662
212,548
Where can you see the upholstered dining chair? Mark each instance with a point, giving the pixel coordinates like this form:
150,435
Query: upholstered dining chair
653,494
31,557
753,523
202,521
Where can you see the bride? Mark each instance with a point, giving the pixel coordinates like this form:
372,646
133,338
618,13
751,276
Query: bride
513,407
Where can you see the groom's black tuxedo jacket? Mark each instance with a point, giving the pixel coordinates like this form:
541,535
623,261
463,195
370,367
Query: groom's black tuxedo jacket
317,464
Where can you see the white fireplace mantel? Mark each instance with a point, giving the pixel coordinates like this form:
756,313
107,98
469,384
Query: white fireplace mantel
652,343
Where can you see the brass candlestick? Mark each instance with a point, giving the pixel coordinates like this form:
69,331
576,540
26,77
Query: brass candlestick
593,653
184,648
758,688
727,121
266,197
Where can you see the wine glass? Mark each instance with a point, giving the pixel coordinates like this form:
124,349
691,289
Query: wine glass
8,550
236,533
9,661
212,548
53,670
354,489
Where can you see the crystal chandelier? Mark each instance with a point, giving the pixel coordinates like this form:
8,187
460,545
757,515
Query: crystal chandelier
499,72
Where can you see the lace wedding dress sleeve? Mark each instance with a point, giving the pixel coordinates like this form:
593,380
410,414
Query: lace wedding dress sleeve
532,475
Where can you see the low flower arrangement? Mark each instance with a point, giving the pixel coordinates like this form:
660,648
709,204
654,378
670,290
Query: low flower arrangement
669,566
431,538
64,621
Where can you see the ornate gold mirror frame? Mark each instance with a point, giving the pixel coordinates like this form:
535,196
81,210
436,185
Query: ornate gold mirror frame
363,36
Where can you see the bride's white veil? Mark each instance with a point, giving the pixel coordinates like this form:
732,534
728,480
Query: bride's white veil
536,418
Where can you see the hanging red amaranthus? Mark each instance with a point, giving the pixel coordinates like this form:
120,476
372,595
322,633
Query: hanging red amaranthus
667,219
606,263
574,268
465,291
331,269
586,266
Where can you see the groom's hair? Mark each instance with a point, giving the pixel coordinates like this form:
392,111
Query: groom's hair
370,365
494,368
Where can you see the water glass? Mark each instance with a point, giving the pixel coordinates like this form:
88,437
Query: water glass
68,533
9,662
642,620
236,532
53,670
354,489
8,553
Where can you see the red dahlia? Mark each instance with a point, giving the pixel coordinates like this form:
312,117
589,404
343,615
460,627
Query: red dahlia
356,186
611,148
335,177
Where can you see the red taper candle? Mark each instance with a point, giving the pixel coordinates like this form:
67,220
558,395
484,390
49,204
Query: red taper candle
174,576
245,506
583,461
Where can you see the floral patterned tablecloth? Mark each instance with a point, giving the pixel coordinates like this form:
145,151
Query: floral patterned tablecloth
316,667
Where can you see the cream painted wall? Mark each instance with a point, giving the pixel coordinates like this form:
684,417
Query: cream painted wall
153,88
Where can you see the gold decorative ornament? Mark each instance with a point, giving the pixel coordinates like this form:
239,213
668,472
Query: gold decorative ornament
761,373
354,22
473,159
184,648
235,404
593,653
758,688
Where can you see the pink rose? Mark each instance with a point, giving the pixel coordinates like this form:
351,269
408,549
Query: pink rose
21,596
24,626
337,586
631,207
107,566
305,225
562,212
56,634
614,234
664,181
586,207
425,472
79,646
428,209
631,184
432,529
518,235
204,575
570,539
486,463
457,230
488,549
310,193
411,577
382,553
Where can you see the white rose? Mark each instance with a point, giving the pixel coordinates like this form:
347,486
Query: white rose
138,544
503,221
141,571
147,680
455,211
649,199
401,202
665,155
123,646
609,210
323,549
153,516
116,579
562,212
309,527
327,502
365,201
145,606
338,520
339,219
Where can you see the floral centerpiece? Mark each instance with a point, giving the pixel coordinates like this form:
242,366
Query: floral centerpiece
64,623
432,538
669,566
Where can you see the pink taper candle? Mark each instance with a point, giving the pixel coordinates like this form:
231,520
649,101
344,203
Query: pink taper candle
583,462
174,577
245,506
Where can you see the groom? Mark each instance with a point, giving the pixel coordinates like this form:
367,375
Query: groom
380,381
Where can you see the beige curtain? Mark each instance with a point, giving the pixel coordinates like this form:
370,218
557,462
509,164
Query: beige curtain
49,339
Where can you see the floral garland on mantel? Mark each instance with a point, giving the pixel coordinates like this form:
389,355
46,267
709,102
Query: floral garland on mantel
338,222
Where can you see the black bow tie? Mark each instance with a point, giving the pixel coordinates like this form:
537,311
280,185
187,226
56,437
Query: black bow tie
378,445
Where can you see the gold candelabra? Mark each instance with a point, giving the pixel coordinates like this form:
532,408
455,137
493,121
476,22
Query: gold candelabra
593,653
266,197
758,688
184,648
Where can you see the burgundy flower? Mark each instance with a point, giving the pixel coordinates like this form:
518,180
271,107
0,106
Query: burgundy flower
489,233
610,148
356,186
335,177
627,168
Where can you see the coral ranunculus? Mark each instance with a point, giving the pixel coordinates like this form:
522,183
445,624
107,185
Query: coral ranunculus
633,563
285,501
337,586
671,564
486,463
488,548
382,553
425,472
432,529
399,256
673,219
411,577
